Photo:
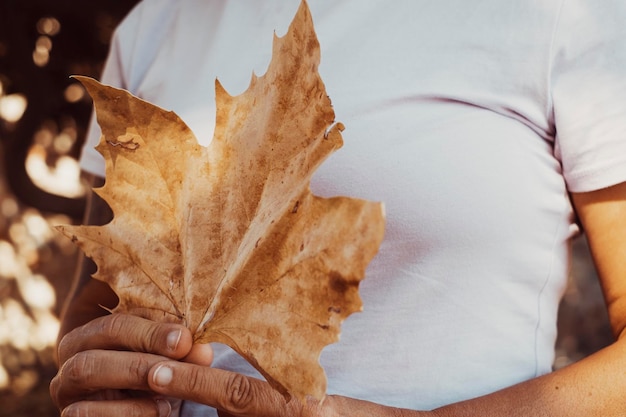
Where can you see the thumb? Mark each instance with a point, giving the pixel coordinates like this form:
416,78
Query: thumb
236,394
200,354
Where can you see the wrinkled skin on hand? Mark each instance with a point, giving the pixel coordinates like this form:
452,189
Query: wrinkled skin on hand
123,365
104,366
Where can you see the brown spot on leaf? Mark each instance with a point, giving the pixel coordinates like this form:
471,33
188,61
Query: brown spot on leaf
203,262
339,284
130,145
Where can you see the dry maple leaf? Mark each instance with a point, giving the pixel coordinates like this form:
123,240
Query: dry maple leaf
228,239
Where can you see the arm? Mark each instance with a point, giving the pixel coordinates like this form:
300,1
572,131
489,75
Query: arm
88,296
593,386
603,215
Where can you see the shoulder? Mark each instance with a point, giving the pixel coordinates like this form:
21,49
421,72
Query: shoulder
148,11
149,18
143,34
582,23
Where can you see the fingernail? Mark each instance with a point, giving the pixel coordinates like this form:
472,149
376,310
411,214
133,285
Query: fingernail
163,407
162,375
173,338
70,410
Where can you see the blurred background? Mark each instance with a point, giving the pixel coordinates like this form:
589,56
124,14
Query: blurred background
43,119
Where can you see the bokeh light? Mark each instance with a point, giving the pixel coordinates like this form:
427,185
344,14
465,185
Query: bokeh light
48,26
12,107
43,118
28,319
74,93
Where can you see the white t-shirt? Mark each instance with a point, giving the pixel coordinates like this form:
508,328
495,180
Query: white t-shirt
470,120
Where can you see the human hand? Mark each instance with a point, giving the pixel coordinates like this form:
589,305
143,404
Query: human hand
232,394
236,395
105,365
121,365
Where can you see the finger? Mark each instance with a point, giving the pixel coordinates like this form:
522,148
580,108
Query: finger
141,407
93,371
233,393
125,332
200,354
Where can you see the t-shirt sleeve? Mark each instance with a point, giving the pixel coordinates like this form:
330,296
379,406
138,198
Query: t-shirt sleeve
113,74
90,160
589,93
134,44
